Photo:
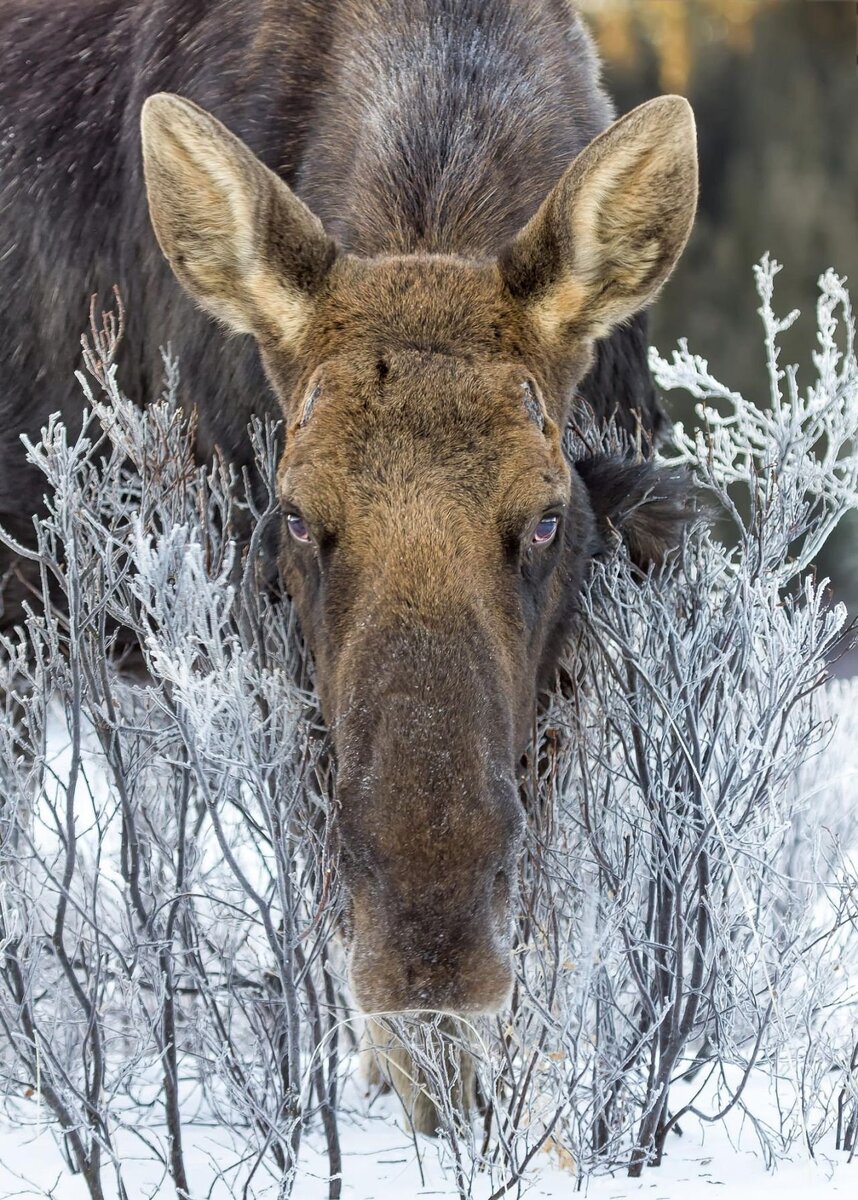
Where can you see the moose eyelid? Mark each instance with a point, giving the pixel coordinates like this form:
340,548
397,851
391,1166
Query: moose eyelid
291,508
550,512
544,519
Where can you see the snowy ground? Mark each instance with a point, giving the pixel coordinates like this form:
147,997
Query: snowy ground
381,1162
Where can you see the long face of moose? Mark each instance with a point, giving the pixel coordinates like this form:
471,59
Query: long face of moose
434,534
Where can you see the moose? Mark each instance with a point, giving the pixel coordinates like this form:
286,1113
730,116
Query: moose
432,246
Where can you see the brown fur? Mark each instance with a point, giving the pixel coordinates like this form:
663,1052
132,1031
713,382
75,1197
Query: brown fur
420,473
424,212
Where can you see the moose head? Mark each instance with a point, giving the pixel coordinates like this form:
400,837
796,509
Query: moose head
435,537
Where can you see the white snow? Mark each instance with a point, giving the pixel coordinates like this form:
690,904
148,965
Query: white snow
381,1163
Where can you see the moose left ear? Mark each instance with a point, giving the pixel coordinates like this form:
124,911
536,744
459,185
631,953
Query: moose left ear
610,231
244,246
643,505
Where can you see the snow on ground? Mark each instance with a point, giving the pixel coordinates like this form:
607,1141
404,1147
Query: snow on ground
381,1163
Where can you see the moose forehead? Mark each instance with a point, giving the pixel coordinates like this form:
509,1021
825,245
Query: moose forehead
442,304
437,301
415,424
420,369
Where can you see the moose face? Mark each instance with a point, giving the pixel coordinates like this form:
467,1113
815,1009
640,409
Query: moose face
428,509
434,535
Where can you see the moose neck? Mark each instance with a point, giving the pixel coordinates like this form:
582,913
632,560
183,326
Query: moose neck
443,123
407,126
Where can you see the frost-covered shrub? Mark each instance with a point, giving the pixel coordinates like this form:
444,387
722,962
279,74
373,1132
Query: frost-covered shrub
688,894
696,876
166,921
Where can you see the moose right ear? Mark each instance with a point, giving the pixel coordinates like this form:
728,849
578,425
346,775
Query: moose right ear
609,232
245,247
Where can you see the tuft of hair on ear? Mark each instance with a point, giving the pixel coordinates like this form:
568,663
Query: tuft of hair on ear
645,506
238,239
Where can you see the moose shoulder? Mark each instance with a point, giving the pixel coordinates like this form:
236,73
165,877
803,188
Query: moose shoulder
464,233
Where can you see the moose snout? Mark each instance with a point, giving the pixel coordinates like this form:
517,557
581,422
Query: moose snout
453,968
429,821
436,941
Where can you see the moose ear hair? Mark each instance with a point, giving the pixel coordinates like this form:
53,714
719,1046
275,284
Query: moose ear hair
608,234
639,503
245,247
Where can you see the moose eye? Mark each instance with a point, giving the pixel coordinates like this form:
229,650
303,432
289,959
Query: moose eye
545,531
298,528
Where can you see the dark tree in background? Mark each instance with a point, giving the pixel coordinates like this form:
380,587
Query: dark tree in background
774,87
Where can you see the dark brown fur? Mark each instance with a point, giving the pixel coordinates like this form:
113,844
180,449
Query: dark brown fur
73,219
397,340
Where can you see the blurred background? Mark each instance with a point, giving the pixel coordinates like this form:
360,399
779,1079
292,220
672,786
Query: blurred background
774,85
